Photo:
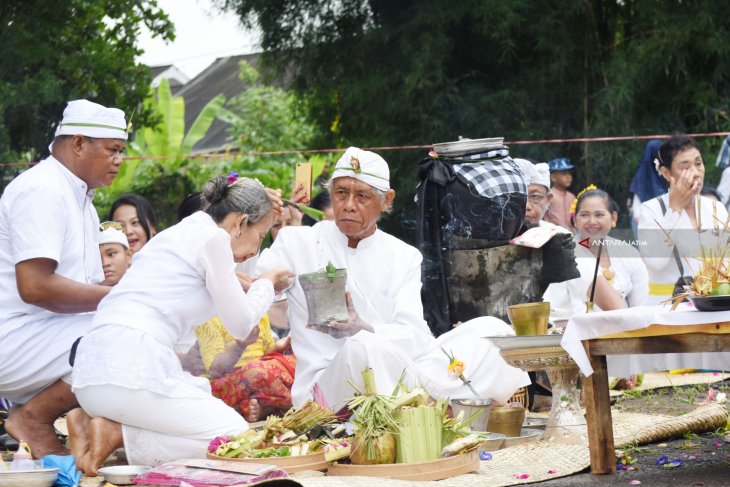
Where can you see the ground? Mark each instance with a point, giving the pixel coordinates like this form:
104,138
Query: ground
705,458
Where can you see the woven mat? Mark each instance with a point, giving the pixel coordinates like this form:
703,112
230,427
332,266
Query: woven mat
537,459
657,380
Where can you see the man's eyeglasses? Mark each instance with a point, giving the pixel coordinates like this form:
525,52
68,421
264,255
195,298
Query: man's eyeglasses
537,197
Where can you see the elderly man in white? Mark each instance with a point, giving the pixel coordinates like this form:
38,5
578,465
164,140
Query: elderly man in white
386,330
50,267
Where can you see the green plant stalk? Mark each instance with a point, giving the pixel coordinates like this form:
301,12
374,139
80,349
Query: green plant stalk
313,213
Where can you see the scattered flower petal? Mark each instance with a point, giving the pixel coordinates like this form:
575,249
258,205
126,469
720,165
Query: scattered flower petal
692,457
716,374
521,476
634,482
662,460
718,443
674,463
662,445
485,455
552,471
624,467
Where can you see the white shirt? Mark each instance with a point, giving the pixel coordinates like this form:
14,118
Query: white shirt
657,250
46,212
182,278
630,277
383,277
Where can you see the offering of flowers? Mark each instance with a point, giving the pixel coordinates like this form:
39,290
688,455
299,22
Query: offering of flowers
712,279
301,431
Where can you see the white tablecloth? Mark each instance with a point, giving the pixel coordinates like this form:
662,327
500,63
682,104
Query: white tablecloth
602,323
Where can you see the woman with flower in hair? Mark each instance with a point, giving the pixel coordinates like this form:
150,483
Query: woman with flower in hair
126,375
622,279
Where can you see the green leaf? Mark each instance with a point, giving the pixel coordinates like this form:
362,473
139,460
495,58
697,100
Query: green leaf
202,123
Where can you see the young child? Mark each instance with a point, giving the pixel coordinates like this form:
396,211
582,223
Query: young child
562,199
115,254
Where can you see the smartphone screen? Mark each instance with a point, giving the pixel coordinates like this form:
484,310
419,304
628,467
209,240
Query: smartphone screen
303,176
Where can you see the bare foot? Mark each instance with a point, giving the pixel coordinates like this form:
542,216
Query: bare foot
78,425
38,433
104,436
256,412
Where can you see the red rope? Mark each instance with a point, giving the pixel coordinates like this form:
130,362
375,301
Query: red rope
398,147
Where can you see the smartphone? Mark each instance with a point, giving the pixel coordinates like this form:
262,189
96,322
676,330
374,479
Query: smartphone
303,176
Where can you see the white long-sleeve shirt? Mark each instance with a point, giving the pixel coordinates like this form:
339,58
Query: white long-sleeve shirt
383,279
656,245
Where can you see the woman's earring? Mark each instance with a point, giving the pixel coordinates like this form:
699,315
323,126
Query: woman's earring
613,225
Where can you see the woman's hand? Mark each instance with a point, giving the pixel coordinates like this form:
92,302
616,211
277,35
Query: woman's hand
225,362
280,345
299,195
245,280
683,190
275,197
339,329
281,278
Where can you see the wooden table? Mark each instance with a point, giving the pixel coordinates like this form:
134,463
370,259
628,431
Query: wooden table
712,337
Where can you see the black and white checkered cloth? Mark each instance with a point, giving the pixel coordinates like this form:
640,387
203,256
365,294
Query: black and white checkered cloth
485,155
493,177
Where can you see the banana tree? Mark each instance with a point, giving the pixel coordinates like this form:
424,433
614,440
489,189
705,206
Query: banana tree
167,145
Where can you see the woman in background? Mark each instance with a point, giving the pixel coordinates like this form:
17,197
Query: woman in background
134,213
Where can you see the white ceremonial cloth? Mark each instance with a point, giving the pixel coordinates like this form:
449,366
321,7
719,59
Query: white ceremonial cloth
657,252
384,279
46,212
602,323
180,279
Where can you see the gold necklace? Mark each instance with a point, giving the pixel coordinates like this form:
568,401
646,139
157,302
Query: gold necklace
608,274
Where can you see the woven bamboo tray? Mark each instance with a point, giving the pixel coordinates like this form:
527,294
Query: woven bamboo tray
299,463
440,469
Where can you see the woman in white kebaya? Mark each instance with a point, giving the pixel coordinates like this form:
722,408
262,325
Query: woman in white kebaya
127,377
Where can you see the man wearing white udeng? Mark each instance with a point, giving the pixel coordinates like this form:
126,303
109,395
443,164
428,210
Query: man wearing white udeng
386,330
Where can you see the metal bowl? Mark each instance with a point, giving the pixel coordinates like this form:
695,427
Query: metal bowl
477,409
43,477
122,474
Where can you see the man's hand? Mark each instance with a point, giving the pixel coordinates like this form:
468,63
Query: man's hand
339,329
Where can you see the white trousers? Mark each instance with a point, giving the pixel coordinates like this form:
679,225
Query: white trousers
35,355
485,368
157,428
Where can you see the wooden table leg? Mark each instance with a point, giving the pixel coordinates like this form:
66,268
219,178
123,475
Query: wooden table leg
598,418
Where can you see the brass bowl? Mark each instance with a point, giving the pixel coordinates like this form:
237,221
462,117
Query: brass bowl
529,318
506,420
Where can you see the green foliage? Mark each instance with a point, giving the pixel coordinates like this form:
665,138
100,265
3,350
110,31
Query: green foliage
266,119
375,72
262,118
157,168
55,51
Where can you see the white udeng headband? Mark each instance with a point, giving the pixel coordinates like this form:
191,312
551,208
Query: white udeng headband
82,117
365,166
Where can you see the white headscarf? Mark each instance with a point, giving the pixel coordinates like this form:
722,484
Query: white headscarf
83,117
366,166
